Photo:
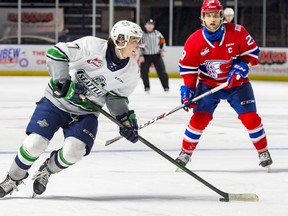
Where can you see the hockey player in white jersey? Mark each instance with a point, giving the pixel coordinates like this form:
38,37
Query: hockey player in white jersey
111,64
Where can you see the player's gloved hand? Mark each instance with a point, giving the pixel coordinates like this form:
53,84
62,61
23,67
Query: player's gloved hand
130,131
237,74
187,95
69,90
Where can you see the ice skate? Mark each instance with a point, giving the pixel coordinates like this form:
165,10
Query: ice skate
147,90
265,160
9,185
41,179
183,159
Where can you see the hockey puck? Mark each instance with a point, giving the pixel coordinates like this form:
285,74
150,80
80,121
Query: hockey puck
223,199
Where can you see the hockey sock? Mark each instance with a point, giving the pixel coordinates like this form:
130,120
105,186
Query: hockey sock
194,130
21,164
57,162
253,124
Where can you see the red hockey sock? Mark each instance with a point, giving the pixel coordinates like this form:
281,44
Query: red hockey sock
194,130
253,123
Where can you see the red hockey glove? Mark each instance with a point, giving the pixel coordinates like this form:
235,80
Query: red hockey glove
237,74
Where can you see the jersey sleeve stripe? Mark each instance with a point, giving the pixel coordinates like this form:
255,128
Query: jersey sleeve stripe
187,70
57,54
254,52
187,67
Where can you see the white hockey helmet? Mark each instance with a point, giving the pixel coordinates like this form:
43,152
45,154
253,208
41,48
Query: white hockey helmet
123,30
228,11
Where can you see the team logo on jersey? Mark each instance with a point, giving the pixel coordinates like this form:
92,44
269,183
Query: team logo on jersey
97,62
204,51
94,85
218,69
100,80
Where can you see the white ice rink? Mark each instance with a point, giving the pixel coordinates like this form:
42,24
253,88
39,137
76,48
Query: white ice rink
127,179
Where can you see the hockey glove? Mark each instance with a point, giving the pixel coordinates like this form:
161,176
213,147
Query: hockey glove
69,90
130,129
187,95
237,74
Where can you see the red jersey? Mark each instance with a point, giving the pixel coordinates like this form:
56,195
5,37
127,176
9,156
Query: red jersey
213,61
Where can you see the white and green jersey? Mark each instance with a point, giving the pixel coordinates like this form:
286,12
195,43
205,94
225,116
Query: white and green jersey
95,58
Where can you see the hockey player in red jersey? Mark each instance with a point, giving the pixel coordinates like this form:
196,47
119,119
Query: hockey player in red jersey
217,53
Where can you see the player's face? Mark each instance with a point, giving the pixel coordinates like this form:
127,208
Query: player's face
229,18
212,20
132,48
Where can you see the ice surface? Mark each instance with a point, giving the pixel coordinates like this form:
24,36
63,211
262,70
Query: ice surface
131,179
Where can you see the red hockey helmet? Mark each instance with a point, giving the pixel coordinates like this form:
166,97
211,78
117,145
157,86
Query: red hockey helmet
211,6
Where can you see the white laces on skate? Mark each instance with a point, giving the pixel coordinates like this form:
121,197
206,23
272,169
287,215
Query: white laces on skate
184,157
9,185
42,176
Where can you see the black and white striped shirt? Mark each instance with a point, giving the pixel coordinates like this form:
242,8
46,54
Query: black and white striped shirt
153,43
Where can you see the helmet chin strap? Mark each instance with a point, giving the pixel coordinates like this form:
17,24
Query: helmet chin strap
119,49
120,54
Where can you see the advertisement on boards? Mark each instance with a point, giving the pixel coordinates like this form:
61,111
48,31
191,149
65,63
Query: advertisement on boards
23,58
31,60
33,21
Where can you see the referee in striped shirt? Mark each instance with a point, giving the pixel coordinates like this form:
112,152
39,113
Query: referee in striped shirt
152,51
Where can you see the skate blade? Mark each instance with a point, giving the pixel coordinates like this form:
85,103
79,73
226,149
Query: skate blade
268,168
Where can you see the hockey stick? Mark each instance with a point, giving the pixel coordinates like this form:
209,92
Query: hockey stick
225,196
223,85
